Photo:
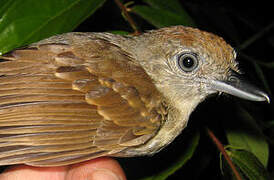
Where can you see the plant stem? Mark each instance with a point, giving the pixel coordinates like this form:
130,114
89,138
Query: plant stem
222,150
255,37
127,16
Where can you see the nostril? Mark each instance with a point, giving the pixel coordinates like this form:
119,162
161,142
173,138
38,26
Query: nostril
233,79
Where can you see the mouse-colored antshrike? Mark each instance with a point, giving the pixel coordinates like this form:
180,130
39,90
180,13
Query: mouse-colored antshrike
78,96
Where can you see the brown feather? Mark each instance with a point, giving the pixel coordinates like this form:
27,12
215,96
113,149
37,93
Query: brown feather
58,106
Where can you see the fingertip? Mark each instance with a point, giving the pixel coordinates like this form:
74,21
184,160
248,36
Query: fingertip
97,169
33,173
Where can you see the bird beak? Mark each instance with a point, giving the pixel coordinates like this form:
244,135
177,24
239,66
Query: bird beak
237,87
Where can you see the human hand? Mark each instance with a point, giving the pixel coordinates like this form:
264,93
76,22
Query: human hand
97,169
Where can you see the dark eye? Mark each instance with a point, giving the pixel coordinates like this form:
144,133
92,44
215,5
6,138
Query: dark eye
187,62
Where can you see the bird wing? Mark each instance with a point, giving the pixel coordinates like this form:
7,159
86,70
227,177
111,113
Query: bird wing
63,103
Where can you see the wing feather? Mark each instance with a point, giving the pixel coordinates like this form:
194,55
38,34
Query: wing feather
62,102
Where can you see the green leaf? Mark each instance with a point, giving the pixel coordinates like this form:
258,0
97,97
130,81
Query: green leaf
248,164
245,134
186,155
119,32
171,5
162,17
25,21
4,4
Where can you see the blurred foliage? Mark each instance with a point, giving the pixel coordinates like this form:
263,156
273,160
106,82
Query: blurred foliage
245,134
248,164
163,14
247,128
26,21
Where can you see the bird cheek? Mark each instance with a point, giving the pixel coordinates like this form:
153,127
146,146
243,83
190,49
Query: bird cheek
204,90
204,87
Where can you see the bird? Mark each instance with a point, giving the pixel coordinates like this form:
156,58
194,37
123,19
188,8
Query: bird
82,95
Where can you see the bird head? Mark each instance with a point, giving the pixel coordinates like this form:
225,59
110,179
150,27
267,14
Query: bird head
187,64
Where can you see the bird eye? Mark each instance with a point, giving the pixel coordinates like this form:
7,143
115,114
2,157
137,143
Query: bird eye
187,62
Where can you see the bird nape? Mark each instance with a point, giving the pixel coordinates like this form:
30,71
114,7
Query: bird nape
78,96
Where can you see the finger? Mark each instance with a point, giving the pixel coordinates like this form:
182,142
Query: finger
22,172
97,169
101,169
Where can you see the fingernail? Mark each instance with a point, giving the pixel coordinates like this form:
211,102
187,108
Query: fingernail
104,174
